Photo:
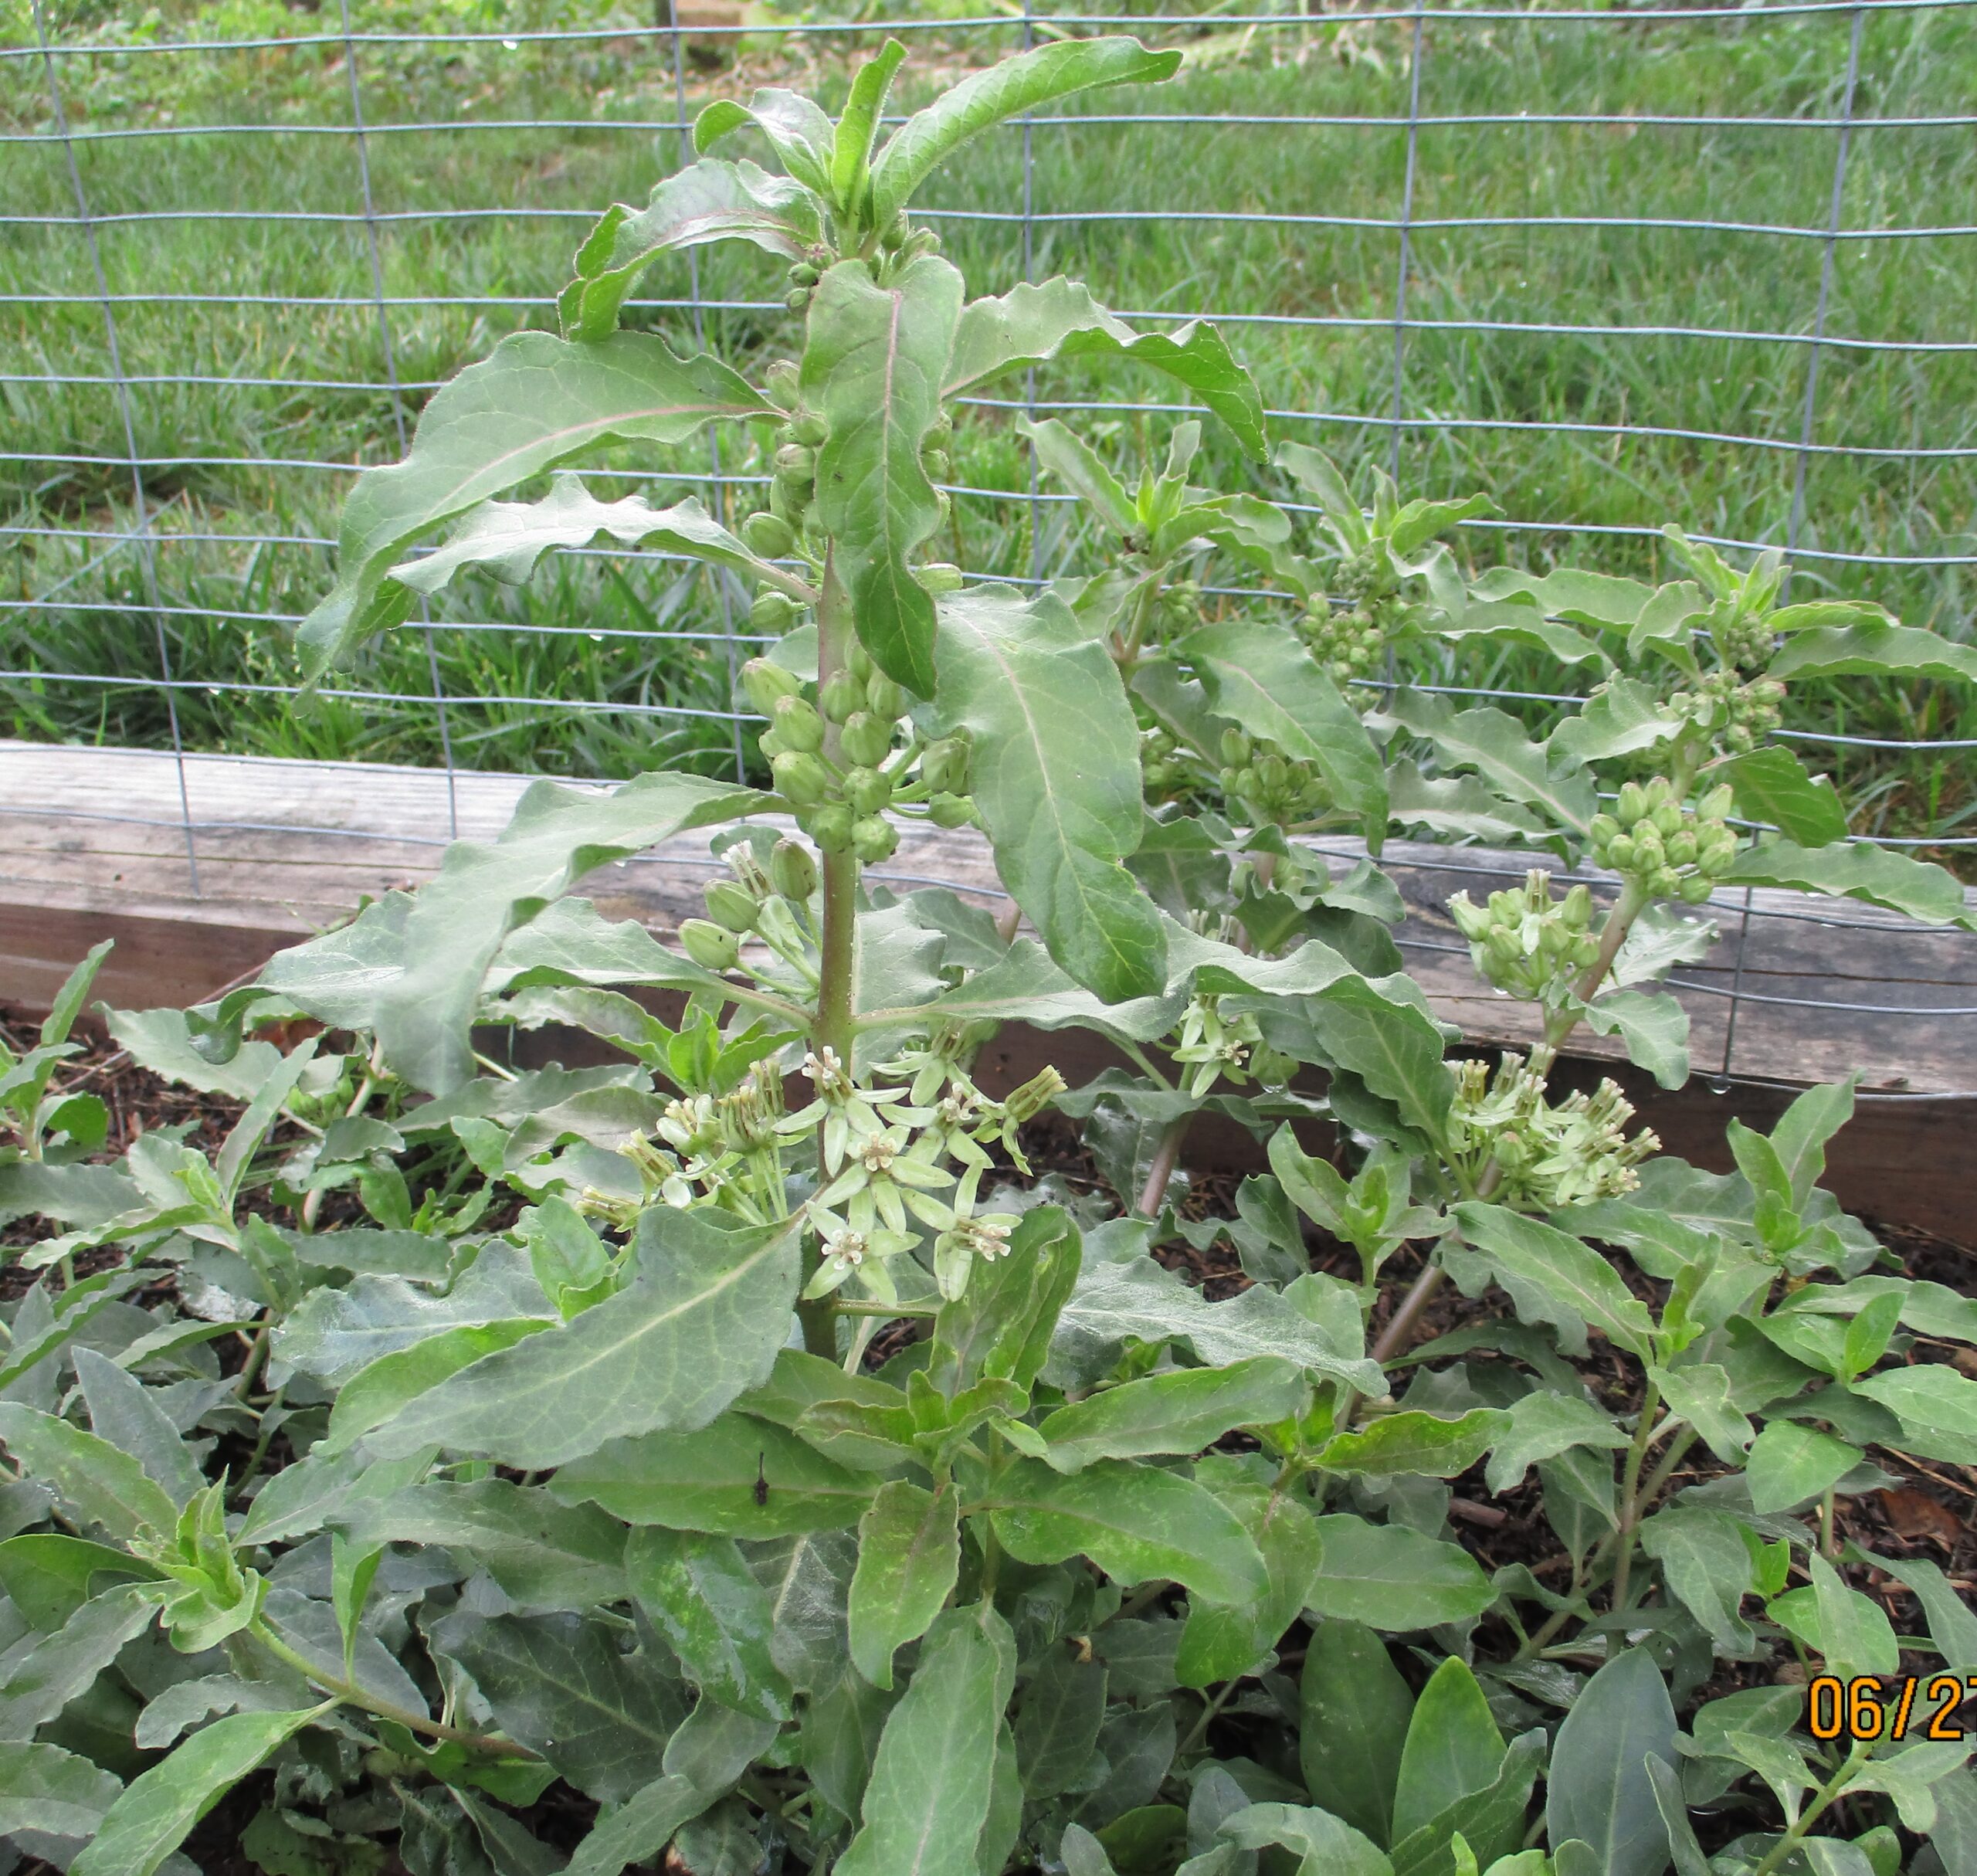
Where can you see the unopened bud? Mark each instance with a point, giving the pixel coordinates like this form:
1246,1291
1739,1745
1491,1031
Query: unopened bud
709,945
939,576
766,683
884,698
809,427
731,905
830,827
873,838
792,871
950,810
1034,1096
867,791
801,777
866,739
840,695
797,723
768,534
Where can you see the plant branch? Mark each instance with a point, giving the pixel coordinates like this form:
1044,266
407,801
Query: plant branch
1822,1800
1631,1498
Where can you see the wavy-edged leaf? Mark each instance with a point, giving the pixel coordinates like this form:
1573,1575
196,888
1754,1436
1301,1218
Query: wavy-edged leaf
909,1556
60,1667
1180,1412
1390,1577
533,403
1622,716
508,538
1495,746
43,1788
559,1685
1872,649
375,1394
1937,1407
872,366
702,1596
857,130
1076,464
1412,1443
1060,319
1458,808
410,970
1653,1028
638,1830
1320,1841
1226,1641
100,1484
1260,674
1133,1522
709,201
1056,779
48,1575
928,1797
1856,869
927,138
706,1481
156,1811
701,1320
797,128
1566,1271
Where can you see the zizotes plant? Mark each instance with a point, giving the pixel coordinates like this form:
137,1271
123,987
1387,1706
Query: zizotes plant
733,1453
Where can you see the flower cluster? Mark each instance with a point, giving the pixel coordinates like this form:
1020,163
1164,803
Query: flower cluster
1274,786
887,1159
1213,1045
1546,1156
1673,851
1740,715
1526,942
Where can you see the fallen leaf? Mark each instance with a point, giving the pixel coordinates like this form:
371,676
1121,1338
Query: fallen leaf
1916,1515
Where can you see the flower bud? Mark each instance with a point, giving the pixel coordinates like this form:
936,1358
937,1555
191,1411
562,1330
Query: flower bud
1620,853
1681,848
771,611
796,462
1717,803
1025,1103
883,698
730,904
866,739
1696,888
798,299
809,427
780,382
1667,818
1471,919
804,274
950,810
1632,803
936,463
830,827
841,694
709,945
766,681
768,534
801,777
791,871
770,743
797,723
858,661
1235,749
938,576
944,766
867,791
873,838
1576,908
1666,884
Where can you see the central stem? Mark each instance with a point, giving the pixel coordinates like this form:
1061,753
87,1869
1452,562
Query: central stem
837,974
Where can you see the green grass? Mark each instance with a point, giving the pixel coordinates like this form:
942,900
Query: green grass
1912,64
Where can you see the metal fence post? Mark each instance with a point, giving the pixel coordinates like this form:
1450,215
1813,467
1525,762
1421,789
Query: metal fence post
1420,40
397,393
146,548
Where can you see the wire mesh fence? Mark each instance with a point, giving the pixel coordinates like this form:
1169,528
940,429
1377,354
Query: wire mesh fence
1620,267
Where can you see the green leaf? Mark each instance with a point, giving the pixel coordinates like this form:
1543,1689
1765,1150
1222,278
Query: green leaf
374,1395
1135,1523
60,1667
1567,1271
638,1830
43,1788
1771,786
1937,1407
1952,1626
1225,1642
1623,716
1324,1846
1060,320
1653,1027
927,138
1000,1327
1706,1565
538,1550
702,1596
1790,1463
1056,779
927,1799
1394,1578
707,201
532,404
1074,462
411,970
909,1556
1491,1821
509,538
706,1481
1497,747
126,1413
858,128
1855,870
157,1810
1411,1443
797,128
1452,1748
1137,1299
1355,1709
1457,808
872,369
1541,1425
1803,1129
1598,1788
1180,1411
1260,675
1850,1629
559,1685
1701,1393
99,1484
48,1575
1063,1705
701,1320
1873,650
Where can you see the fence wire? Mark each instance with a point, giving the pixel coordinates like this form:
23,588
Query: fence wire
1396,416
